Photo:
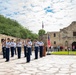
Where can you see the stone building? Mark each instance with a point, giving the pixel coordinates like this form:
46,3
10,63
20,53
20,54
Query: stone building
5,37
66,37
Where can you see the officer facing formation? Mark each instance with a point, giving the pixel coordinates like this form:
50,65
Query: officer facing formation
36,45
12,48
19,45
28,52
8,45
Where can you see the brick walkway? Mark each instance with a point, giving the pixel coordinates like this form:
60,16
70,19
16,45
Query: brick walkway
49,65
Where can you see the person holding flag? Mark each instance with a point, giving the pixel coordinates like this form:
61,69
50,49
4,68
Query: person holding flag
48,44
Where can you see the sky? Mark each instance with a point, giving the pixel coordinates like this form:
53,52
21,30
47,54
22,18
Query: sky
55,14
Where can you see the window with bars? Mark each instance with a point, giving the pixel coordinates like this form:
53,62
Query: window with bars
54,42
54,34
74,33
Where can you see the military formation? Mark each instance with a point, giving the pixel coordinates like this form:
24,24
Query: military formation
10,48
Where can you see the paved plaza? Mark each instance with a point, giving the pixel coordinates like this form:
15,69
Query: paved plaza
48,65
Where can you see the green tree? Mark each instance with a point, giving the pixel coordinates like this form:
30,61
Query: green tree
13,28
41,32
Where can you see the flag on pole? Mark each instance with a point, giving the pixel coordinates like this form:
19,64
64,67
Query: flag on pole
48,41
42,25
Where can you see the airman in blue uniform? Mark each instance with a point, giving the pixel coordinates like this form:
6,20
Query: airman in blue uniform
25,47
8,45
41,44
12,48
15,48
4,48
19,45
36,44
29,46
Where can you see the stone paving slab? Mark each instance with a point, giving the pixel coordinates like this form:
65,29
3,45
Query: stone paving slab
48,65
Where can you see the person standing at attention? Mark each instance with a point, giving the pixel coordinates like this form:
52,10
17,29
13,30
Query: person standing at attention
15,48
25,47
41,44
8,45
4,48
19,45
36,44
12,48
28,53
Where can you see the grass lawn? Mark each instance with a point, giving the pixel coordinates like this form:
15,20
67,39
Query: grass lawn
64,53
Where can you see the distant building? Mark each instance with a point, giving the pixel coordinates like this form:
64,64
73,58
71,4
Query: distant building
66,37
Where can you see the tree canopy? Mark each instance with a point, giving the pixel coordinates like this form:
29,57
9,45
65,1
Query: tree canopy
41,32
13,28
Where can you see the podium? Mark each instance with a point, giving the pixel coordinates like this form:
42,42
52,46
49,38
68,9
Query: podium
44,50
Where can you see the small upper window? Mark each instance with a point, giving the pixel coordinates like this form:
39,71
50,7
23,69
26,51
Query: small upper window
54,42
74,33
54,35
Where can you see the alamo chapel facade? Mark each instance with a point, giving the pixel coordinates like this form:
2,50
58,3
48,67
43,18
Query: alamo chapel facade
66,37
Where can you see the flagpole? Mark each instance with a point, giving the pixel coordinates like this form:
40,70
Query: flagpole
42,25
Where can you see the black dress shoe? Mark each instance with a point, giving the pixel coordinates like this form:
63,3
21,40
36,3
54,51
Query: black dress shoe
24,56
35,58
27,62
7,61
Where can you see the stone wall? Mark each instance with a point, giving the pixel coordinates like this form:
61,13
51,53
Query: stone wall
54,37
5,36
67,34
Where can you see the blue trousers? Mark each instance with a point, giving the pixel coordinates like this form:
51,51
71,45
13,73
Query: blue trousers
15,50
7,54
19,52
36,52
4,51
28,53
12,51
41,51
25,51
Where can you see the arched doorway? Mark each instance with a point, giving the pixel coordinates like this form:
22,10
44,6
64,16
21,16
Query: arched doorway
74,46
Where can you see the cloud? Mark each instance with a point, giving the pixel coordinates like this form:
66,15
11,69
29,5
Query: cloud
55,14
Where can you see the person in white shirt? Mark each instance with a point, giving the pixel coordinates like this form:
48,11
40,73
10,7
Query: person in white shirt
8,45
36,45
29,45
12,48
25,47
19,45
41,44
4,47
15,47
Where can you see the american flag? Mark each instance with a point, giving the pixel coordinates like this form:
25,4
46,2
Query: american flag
48,41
